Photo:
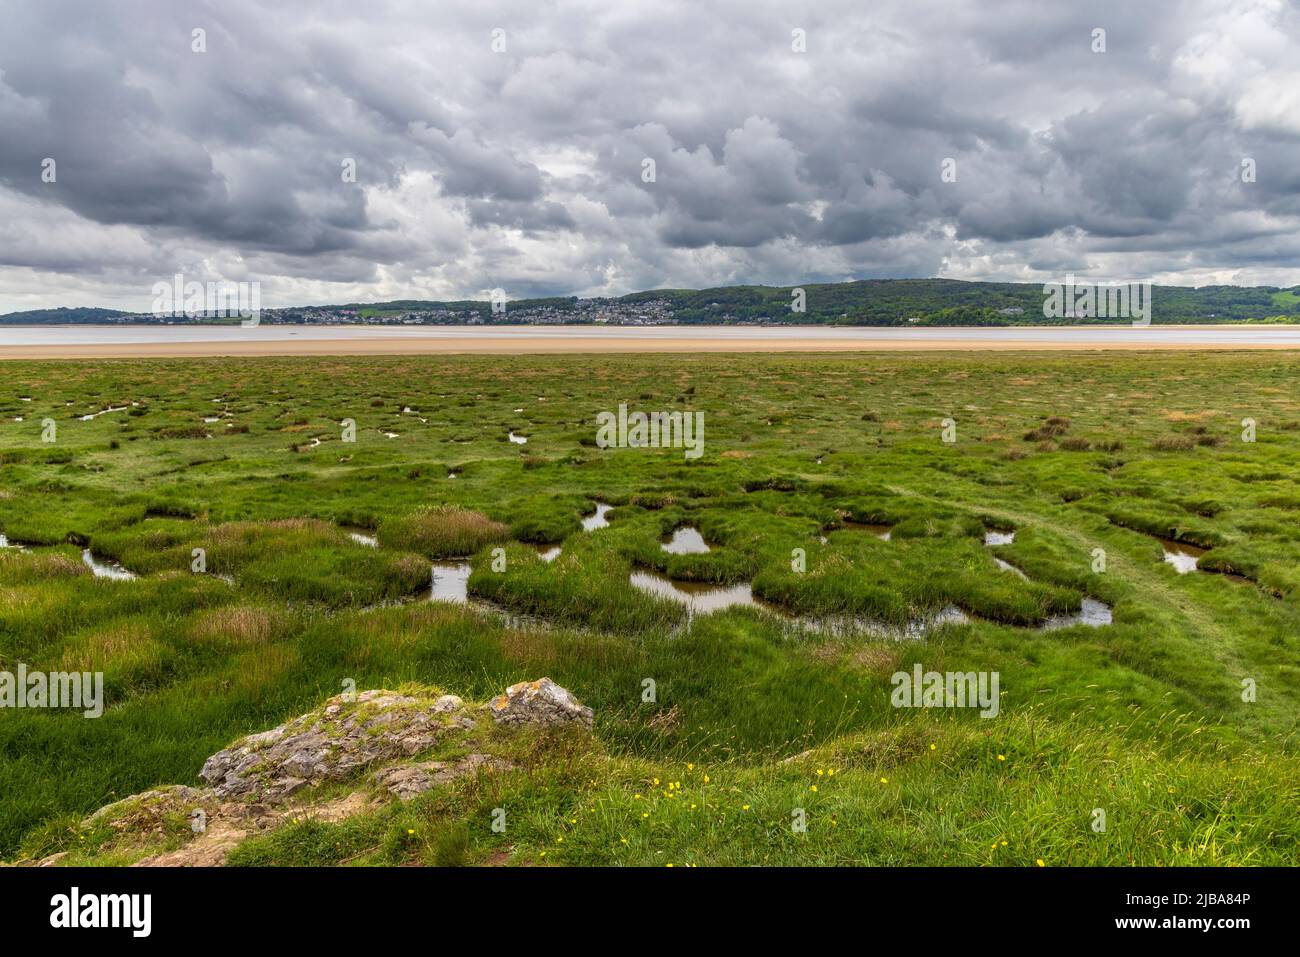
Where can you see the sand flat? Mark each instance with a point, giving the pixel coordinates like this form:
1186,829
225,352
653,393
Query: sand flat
89,342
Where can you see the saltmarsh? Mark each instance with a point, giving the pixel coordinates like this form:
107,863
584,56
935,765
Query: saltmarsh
246,461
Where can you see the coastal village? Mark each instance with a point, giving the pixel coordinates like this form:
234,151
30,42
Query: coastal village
572,311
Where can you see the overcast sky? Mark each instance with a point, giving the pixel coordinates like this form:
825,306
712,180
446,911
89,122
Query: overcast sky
524,169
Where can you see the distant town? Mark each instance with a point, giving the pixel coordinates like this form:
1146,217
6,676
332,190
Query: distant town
614,312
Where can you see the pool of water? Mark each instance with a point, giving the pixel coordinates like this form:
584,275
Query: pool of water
685,541
1008,567
699,598
992,538
362,536
860,626
1181,555
95,415
597,519
104,569
702,598
450,582
1094,614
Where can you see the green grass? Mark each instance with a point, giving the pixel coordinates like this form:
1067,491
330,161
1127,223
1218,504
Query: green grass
1074,453
442,532
1287,299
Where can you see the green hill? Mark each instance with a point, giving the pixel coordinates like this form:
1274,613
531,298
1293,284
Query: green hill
45,317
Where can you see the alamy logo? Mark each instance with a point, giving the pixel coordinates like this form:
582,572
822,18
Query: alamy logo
57,689
656,430
215,300
72,910
1088,300
948,689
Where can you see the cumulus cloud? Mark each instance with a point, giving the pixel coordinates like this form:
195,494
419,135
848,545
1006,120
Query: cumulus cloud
505,145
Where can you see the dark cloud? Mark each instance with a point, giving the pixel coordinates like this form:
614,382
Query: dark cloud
524,168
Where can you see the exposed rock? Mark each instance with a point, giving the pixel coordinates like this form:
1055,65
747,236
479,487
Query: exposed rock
331,744
156,800
226,828
263,780
230,823
407,781
538,702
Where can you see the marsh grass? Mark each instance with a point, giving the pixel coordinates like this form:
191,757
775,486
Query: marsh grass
1113,717
441,532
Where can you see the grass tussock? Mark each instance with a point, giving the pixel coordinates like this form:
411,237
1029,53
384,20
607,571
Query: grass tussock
238,626
444,531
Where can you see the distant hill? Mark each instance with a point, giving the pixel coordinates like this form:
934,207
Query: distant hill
886,302
46,317
872,302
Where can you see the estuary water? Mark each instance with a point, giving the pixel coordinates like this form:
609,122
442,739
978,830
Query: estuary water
745,337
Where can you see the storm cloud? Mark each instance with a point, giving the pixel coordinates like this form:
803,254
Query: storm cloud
598,148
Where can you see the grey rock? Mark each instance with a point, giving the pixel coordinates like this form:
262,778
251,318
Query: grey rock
347,735
538,702
408,781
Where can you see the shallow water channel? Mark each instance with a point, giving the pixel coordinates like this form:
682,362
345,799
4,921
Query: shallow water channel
1181,555
103,569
